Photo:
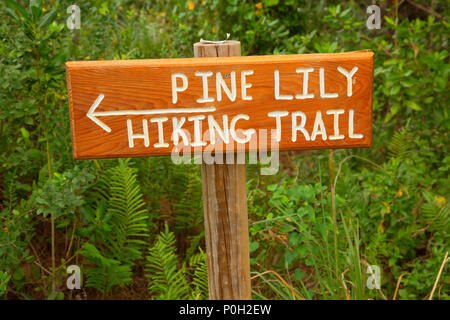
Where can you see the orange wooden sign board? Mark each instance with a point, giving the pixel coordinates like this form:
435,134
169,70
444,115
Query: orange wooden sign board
134,108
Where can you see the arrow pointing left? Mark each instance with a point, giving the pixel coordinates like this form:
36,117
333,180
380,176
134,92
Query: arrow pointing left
91,113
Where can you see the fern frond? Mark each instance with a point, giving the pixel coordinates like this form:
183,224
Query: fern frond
401,144
199,272
185,193
123,217
167,282
106,273
128,209
194,243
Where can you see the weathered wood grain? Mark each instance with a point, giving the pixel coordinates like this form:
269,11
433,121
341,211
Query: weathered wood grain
146,85
225,212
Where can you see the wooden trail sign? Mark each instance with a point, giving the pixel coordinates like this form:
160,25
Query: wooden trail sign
134,108
214,102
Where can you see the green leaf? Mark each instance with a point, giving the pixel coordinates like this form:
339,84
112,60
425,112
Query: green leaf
298,274
57,61
18,274
35,7
389,20
47,19
253,246
413,105
25,133
270,3
290,256
294,239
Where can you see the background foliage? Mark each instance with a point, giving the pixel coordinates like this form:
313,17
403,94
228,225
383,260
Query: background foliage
135,226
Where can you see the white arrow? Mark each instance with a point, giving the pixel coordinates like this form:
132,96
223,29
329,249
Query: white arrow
91,114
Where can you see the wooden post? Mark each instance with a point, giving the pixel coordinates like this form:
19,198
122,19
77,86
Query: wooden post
225,212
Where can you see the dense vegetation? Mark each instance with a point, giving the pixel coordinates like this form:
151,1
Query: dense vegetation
136,226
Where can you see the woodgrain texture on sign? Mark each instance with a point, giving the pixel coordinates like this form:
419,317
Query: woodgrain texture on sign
107,98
